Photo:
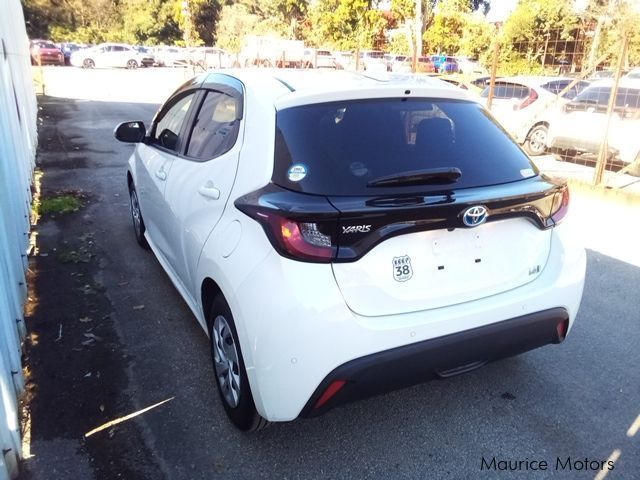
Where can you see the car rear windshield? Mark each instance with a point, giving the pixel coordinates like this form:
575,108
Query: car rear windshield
337,148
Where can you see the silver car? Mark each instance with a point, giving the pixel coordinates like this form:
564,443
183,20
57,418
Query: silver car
524,105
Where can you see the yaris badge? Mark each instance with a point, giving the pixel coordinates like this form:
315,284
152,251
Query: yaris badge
474,216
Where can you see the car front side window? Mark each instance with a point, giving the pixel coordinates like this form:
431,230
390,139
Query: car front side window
215,129
167,129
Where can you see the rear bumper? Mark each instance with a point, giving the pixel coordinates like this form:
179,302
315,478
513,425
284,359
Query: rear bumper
296,329
438,358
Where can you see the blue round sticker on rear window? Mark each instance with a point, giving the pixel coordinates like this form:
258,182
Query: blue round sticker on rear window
297,172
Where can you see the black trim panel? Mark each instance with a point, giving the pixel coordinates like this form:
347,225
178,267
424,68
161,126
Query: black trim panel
438,358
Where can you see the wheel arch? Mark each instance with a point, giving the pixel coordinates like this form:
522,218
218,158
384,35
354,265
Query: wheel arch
209,290
537,124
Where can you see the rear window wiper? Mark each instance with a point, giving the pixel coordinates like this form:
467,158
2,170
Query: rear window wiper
432,176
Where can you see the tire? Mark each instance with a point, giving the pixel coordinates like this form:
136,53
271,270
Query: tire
136,218
229,370
536,142
132,64
88,63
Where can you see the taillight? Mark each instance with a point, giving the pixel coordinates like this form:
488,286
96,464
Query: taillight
300,240
305,240
560,205
533,96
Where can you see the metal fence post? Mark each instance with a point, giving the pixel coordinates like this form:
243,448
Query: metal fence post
494,68
603,154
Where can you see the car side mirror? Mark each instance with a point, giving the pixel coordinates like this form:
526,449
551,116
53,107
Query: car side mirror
130,132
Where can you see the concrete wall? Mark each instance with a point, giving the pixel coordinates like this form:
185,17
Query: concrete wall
18,141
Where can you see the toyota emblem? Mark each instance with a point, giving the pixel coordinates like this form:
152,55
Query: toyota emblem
474,216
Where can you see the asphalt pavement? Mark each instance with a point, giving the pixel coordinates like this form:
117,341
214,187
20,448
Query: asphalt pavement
569,405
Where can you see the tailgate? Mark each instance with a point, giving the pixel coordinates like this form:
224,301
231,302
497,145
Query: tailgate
437,268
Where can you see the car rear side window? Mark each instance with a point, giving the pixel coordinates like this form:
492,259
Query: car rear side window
594,96
215,129
628,98
556,86
505,90
338,148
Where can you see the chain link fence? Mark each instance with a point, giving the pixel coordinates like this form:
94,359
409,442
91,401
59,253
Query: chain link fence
575,114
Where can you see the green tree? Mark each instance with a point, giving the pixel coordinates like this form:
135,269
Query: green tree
537,30
345,24
236,21
447,29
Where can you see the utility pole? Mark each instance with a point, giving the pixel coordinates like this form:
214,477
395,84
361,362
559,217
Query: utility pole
603,154
417,47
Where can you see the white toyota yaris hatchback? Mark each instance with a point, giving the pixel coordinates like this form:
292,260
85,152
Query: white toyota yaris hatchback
339,236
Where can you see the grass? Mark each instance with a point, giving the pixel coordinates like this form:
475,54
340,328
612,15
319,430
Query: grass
59,204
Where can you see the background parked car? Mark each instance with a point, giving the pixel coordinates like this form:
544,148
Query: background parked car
209,57
171,57
461,82
525,104
579,126
444,64
469,66
344,60
110,55
67,49
635,73
148,59
316,58
425,65
44,52
372,60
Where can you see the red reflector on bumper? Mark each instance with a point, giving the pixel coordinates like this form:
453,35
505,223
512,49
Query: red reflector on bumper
562,328
331,390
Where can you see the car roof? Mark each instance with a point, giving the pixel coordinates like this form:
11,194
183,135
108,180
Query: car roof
292,87
623,83
533,80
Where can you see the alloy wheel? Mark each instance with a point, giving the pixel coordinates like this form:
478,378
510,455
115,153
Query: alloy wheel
225,361
135,213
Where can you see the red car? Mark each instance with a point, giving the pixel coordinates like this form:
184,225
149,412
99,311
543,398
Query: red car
44,52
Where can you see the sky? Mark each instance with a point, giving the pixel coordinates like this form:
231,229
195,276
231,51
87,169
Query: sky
500,10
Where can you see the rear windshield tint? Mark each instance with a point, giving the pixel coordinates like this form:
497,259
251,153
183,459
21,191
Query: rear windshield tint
337,148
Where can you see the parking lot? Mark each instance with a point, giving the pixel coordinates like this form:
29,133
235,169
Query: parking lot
567,405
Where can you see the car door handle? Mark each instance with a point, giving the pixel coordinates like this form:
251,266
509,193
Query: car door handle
209,191
161,174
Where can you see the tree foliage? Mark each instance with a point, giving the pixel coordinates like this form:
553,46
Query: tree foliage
344,24
537,30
